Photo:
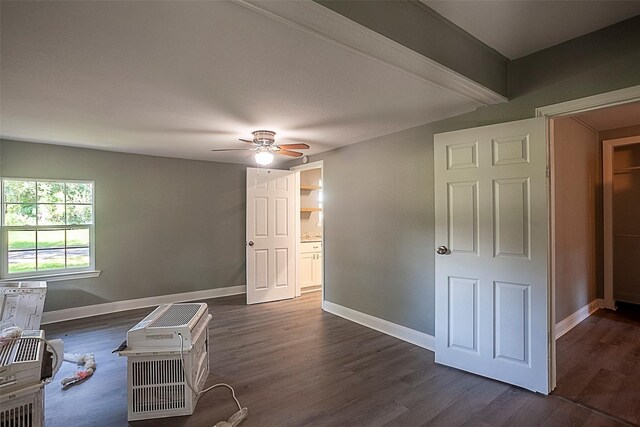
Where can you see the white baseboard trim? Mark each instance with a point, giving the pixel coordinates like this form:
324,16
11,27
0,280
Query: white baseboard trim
112,307
573,320
398,331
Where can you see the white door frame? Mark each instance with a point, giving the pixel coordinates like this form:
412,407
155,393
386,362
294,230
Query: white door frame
607,186
549,112
313,165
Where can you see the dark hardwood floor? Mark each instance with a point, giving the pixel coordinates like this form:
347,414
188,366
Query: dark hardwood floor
599,363
292,364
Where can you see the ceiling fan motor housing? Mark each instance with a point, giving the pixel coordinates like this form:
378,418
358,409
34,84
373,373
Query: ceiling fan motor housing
263,137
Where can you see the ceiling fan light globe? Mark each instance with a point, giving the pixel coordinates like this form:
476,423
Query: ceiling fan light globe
264,158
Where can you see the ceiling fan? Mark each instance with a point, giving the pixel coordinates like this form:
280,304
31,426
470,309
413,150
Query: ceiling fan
265,147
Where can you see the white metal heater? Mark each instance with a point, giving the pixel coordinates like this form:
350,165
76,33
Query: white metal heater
21,372
23,408
157,386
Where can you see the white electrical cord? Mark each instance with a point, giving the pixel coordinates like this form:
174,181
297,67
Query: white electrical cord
200,393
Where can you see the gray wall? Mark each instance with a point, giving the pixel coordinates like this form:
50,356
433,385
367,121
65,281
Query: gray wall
163,226
578,215
379,224
416,26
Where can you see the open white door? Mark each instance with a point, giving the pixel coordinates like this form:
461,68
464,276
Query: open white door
271,250
492,306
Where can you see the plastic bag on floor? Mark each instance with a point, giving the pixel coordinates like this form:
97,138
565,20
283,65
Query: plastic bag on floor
86,359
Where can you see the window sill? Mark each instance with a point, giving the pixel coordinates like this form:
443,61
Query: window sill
55,277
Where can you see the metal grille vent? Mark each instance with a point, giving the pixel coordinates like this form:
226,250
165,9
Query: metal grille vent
27,350
150,372
158,385
158,398
5,353
18,416
176,315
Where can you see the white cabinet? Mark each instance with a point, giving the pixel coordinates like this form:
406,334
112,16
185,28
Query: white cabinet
311,265
306,270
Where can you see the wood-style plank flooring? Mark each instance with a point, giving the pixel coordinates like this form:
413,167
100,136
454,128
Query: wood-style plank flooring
598,363
292,364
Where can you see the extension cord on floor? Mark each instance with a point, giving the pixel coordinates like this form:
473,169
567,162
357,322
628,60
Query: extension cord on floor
235,419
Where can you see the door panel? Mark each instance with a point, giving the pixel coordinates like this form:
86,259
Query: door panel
270,235
463,313
511,321
306,269
491,284
511,217
462,217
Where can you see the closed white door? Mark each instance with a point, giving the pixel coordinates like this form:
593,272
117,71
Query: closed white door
271,253
492,307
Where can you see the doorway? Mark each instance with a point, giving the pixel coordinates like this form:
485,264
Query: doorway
310,229
595,203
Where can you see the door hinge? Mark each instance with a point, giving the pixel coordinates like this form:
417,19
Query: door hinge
548,171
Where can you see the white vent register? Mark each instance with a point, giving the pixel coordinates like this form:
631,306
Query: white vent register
157,386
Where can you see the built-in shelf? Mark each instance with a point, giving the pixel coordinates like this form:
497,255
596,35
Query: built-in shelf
629,169
309,187
310,209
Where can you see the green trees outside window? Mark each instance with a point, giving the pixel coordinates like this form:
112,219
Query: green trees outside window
47,225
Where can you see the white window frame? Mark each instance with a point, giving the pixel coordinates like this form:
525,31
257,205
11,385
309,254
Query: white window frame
48,275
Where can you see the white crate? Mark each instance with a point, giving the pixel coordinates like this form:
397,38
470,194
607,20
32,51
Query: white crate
156,383
23,408
21,304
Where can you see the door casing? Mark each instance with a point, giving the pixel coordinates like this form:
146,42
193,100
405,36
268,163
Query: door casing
319,164
549,112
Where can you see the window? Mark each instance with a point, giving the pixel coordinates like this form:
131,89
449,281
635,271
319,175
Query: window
47,227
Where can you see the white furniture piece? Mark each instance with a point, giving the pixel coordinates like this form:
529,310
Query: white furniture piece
158,377
310,265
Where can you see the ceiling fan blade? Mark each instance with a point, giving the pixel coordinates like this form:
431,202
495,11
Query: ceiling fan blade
300,146
246,140
289,153
234,149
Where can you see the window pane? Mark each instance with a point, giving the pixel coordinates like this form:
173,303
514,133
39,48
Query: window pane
22,262
79,214
50,214
19,191
51,259
78,237
79,193
50,239
19,239
50,192
77,257
20,214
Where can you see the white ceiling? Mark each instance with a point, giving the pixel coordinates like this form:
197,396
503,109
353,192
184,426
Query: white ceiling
516,28
619,116
178,79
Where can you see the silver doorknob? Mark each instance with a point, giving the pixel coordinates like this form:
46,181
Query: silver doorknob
250,243
442,250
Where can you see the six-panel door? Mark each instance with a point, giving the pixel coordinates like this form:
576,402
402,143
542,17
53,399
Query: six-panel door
491,283
270,235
